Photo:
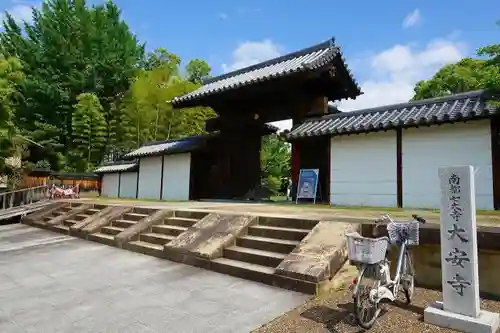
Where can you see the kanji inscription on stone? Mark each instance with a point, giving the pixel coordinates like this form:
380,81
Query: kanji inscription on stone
459,241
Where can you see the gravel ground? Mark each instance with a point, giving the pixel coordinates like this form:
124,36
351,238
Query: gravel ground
332,314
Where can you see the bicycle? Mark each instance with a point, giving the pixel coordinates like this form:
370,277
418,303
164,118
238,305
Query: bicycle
370,256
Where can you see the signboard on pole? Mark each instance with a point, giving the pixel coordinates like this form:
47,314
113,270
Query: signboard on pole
307,187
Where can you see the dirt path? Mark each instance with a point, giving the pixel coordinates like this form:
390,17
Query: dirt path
333,314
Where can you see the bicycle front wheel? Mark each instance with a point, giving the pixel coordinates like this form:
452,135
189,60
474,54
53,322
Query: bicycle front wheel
408,277
366,309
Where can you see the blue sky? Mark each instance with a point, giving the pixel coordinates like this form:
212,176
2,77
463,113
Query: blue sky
390,45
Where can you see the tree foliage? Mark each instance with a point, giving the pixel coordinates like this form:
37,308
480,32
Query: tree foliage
465,75
275,160
11,76
78,81
89,131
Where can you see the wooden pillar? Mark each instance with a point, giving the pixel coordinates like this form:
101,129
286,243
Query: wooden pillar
161,176
495,160
399,166
137,183
119,183
296,162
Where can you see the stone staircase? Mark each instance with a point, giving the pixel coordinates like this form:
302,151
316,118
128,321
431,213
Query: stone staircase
106,235
256,254
58,212
64,226
152,240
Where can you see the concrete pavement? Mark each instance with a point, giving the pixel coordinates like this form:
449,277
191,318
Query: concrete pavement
51,283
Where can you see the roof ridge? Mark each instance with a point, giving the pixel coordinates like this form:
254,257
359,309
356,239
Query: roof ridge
185,138
323,45
440,99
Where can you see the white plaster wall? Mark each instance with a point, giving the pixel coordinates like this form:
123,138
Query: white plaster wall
149,177
425,149
128,184
363,170
176,176
110,184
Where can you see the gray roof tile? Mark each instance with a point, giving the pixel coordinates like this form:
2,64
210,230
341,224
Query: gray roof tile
116,168
177,146
309,59
464,106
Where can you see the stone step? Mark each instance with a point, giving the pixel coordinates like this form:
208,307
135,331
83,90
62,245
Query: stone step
66,209
102,238
111,230
81,217
165,229
254,256
267,244
285,222
261,274
93,210
48,218
58,213
190,214
145,211
69,223
154,238
124,224
64,229
145,248
134,216
278,232
185,222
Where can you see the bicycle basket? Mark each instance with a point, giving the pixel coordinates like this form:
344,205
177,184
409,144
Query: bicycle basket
366,250
398,231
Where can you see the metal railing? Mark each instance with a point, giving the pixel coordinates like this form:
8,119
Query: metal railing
23,196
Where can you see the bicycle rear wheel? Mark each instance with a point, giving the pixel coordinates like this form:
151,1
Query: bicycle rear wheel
366,317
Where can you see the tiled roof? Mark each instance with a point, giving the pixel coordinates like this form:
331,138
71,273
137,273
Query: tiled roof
459,107
122,167
308,59
183,145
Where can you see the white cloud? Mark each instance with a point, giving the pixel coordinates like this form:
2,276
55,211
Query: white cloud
222,16
21,12
394,72
250,53
412,19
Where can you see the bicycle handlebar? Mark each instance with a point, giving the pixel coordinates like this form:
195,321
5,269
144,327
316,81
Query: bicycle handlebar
388,219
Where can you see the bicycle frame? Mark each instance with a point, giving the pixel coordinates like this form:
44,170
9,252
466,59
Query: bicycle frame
384,290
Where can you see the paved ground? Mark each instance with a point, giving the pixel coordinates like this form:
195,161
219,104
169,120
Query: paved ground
320,212
51,283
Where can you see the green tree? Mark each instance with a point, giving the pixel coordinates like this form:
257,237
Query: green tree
492,52
197,70
147,108
466,75
275,160
70,49
89,131
11,76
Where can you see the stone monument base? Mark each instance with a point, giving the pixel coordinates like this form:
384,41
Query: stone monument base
487,322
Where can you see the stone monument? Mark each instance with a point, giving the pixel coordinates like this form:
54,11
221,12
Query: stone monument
460,308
